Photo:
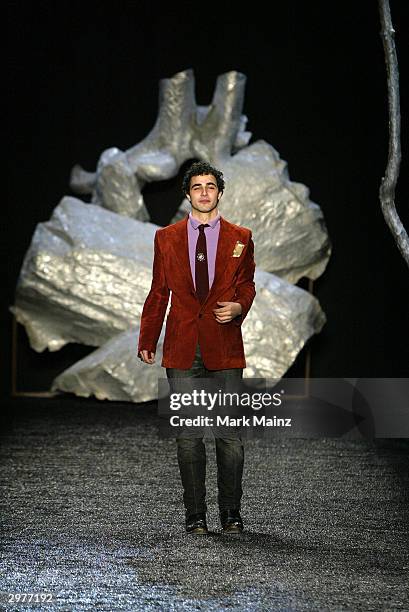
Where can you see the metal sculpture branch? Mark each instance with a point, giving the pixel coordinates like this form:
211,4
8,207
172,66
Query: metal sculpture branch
389,181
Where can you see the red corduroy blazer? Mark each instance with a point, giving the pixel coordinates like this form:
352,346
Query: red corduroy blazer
189,321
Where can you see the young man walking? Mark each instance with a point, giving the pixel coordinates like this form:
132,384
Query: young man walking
208,265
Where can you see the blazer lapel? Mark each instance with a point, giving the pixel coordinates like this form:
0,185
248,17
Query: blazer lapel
182,253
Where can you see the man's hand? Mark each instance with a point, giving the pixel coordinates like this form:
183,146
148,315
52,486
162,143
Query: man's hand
227,312
147,357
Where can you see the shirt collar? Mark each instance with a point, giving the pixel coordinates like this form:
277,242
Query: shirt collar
195,222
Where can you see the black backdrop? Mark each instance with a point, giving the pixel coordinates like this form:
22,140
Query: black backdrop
85,77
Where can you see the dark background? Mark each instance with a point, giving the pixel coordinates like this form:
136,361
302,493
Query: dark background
84,77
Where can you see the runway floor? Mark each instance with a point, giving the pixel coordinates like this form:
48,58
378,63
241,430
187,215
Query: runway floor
93,518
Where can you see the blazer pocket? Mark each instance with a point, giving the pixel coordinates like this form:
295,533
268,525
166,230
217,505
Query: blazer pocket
234,262
231,338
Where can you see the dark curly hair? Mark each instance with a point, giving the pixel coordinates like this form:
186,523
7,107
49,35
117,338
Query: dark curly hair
198,169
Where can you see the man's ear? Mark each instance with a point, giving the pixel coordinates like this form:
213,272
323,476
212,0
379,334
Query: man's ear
219,195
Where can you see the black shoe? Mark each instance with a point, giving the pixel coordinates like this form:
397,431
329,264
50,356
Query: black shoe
231,521
196,523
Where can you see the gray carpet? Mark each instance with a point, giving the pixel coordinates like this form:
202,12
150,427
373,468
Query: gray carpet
92,515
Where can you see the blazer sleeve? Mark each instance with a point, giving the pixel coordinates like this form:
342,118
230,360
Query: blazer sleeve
155,305
245,287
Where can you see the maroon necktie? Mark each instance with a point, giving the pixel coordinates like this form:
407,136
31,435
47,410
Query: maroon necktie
201,269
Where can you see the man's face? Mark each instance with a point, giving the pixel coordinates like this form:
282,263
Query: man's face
203,193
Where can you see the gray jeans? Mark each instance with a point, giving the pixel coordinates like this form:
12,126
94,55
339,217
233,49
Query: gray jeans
191,451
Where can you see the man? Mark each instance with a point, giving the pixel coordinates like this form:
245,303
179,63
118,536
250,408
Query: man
208,265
